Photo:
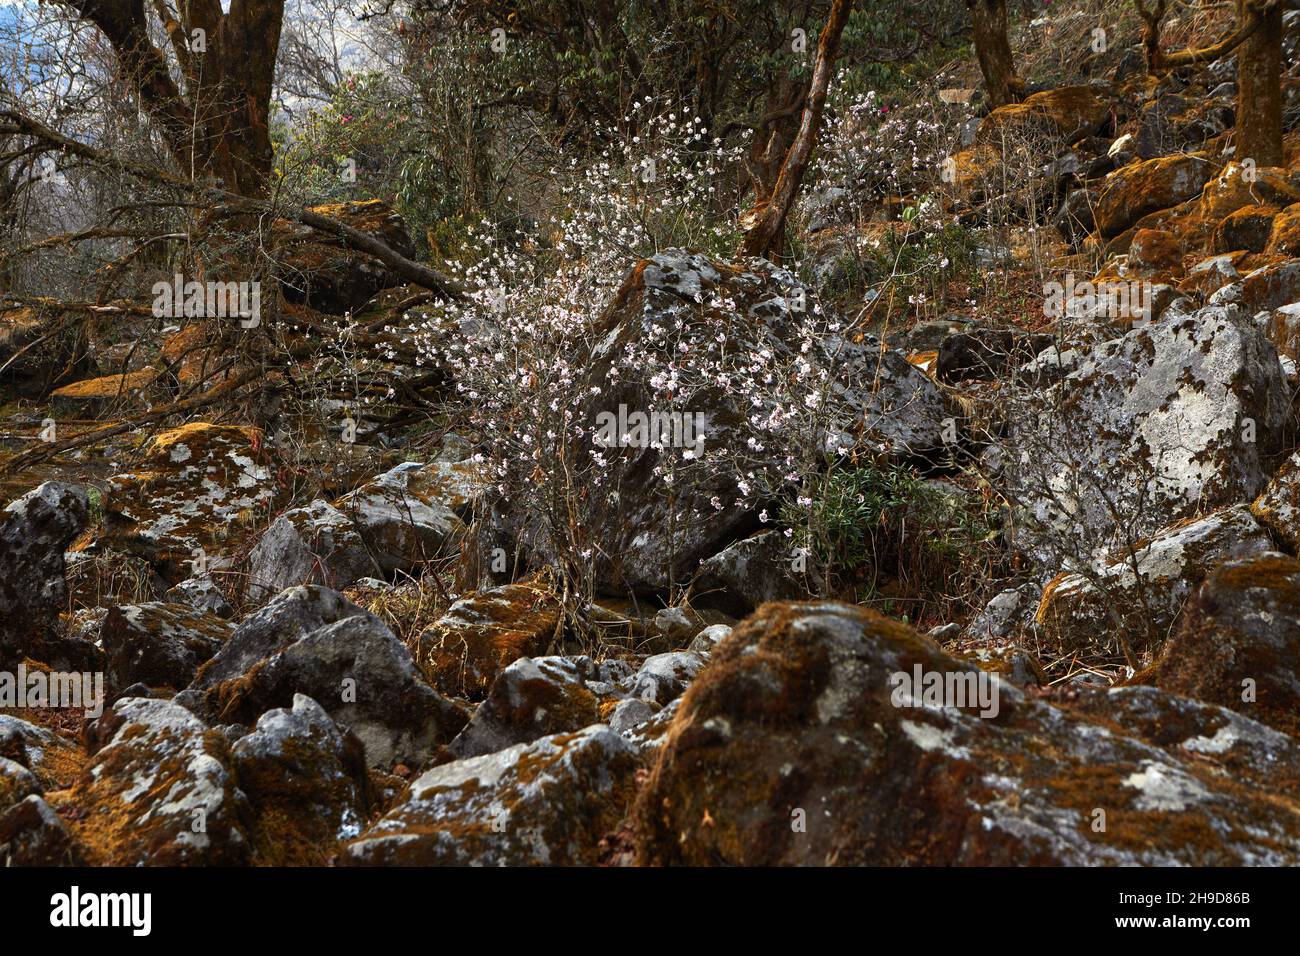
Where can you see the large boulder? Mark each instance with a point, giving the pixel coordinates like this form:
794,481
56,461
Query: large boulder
1133,191
1173,419
192,502
543,803
35,531
869,399
809,740
312,641
1239,644
1063,115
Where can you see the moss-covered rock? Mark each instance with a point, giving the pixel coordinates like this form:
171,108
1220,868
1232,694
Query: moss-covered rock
1137,189
1278,508
480,635
159,791
1239,644
307,782
159,644
795,747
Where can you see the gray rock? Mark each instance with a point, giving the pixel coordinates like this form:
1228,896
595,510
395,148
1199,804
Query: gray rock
543,803
311,641
317,544
531,698
405,517
710,637
35,530
664,677
746,574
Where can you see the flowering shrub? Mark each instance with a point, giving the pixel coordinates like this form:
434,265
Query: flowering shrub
535,358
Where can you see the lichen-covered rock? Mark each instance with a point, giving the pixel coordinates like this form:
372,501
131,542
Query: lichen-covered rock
648,735
53,759
312,641
1169,421
1239,644
17,783
1133,191
402,519
315,544
748,573
159,791
798,746
543,803
483,633
32,834
202,594
35,530
307,782
1135,599
159,644
531,698
664,677
193,499
1278,508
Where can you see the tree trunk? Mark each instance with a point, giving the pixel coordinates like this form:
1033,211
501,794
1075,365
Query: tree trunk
766,236
989,22
1259,87
217,127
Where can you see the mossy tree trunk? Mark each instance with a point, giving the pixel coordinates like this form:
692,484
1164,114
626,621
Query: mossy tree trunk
993,49
1259,86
